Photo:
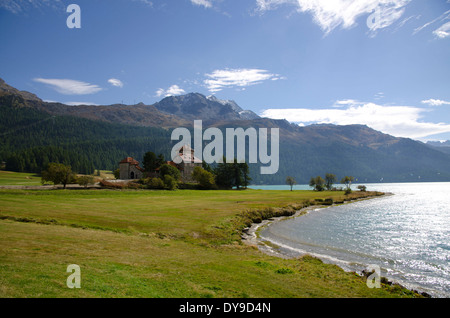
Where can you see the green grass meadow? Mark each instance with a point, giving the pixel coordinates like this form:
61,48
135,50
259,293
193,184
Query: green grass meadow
19,179
141,243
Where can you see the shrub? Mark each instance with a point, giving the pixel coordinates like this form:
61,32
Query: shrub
58,173
204,178
362,188
153,183
85,180
170,182
169,170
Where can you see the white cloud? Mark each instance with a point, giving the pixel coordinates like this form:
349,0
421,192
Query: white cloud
171,91
115,82
343,13
70,87
204,3
145,2
80,103
241,78
442,17
443,31
435,102
400,121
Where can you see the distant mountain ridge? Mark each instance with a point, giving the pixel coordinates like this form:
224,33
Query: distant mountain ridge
443,146
357,150
197,106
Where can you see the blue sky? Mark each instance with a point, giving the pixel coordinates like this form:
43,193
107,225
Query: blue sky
384,63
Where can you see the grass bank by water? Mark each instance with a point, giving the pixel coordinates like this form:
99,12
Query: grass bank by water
158,244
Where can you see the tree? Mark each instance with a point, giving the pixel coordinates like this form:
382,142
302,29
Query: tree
160,160
291,182
204,178
362,188
237,174
207,167
85,181
58,173
117,173
347,180
224,174
245,170
170,182
330,179
166,169
150,162
318,183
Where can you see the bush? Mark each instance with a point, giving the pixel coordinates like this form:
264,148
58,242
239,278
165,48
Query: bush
204,178
153,183
362,188
85,180
58,173
170,182
117,173
348,191
169,170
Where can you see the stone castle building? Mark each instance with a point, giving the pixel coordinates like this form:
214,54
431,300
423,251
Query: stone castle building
130,170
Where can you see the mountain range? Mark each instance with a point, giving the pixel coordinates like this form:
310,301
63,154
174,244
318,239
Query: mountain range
103,135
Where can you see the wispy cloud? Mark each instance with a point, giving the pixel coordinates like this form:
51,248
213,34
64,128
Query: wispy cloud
146,2
70,87
115,82
435,102
79,104
204,3
442,17
330,15
20,6
400,121
171,91
443,31
229,78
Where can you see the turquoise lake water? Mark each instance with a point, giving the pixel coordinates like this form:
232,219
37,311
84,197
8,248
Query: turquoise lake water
407,234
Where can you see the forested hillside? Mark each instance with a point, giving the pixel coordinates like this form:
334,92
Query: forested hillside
32,138
34,133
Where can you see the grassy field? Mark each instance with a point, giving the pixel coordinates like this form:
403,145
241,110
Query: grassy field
141,243
21,179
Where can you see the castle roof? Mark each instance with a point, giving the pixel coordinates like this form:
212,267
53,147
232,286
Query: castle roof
130,160
186,154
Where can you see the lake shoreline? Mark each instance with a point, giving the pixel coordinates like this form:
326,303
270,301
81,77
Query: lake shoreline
250,237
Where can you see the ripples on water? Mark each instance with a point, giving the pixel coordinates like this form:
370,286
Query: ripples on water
407,235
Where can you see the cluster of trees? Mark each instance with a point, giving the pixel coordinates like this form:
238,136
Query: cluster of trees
58,173
320,184
231,175
224,175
